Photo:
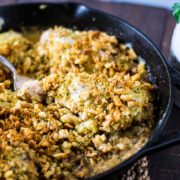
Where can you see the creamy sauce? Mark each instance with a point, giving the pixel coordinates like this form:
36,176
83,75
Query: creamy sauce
29,87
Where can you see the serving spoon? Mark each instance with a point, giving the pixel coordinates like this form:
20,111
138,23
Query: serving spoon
21,82
18,80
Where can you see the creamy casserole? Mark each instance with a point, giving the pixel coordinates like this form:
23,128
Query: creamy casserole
88,108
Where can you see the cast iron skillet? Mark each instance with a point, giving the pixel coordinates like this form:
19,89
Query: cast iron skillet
74,15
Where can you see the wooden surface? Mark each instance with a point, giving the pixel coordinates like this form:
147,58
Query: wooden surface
158,25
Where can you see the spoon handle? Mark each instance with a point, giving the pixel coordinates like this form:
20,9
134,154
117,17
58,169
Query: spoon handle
7,64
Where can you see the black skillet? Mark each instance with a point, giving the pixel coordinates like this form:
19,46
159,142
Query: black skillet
74,15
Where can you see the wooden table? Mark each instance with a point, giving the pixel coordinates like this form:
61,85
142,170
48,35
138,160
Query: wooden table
158,24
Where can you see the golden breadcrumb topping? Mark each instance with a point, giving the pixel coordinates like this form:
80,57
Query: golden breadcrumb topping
87,107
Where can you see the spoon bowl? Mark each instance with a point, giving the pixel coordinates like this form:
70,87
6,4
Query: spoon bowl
17,80
12,69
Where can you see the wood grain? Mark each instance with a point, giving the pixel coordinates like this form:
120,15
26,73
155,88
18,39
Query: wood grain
168,31
158,25
6,2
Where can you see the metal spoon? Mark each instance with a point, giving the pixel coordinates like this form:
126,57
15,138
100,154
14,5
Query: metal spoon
18,80
21,82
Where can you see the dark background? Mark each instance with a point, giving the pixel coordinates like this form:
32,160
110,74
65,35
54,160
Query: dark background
158,25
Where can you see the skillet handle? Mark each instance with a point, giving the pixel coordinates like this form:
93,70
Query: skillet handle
175,76
165,141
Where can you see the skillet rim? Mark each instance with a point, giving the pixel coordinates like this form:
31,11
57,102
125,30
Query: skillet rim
164,118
